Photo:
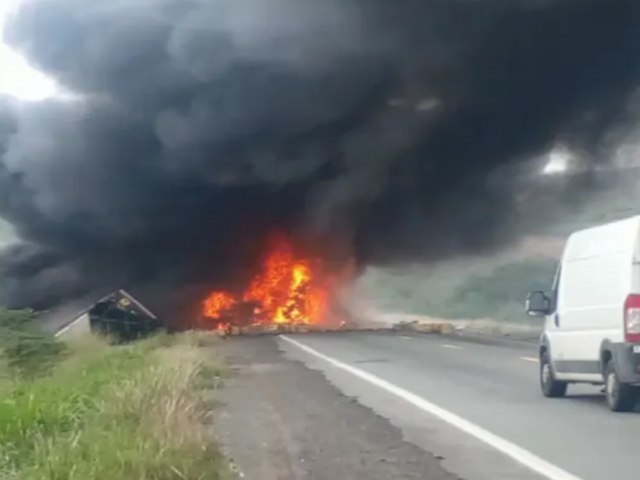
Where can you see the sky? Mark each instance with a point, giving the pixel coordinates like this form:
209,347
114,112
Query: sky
17,77
20,80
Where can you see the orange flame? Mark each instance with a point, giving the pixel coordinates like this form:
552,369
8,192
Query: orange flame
287,290
216,304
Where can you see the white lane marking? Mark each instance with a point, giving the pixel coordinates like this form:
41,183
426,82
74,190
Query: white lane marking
530,359
519,454
452,347
404,337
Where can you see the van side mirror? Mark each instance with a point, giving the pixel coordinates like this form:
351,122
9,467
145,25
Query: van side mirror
538,304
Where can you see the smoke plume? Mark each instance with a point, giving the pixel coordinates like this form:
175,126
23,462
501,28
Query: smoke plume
194,127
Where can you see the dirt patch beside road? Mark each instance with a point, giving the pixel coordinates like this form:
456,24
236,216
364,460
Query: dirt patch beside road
282,421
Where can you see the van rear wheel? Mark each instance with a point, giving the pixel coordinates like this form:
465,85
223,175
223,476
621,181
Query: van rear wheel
550,387
620,397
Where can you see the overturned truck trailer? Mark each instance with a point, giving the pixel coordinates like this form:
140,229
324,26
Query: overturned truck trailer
119,315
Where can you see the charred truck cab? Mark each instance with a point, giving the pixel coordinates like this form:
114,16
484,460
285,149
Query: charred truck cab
122,317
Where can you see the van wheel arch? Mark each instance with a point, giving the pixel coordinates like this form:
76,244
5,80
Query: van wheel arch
606,355
544,346
550,387
543,350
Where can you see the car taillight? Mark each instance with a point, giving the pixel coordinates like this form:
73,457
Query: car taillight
632,319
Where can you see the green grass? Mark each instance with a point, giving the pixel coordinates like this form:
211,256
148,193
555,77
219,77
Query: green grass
25,350
483,291
105,412
501,293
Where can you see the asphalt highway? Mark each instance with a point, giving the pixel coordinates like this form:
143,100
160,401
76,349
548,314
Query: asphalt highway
476,405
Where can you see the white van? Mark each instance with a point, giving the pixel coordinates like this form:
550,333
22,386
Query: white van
592,329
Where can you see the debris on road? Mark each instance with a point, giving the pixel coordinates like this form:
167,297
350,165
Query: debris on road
424,326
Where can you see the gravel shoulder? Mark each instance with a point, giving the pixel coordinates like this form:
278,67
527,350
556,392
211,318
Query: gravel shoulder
281,420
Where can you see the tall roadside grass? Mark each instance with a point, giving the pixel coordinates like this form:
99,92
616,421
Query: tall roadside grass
25,350
112,412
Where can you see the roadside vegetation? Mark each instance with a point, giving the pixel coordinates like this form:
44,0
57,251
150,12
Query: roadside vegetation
88,410
494,286
488,291
499,294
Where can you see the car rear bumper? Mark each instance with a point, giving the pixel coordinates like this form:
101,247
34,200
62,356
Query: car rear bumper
627,362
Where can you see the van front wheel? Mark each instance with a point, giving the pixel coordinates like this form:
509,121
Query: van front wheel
620,397
550,387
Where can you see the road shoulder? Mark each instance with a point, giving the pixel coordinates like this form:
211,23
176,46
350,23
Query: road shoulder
281,420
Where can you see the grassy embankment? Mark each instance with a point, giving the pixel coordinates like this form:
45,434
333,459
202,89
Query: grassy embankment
495,286
487,292
85,410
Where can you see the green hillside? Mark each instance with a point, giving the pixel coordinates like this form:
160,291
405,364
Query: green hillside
495,285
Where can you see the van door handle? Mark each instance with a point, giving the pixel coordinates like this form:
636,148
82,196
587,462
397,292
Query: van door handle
556,320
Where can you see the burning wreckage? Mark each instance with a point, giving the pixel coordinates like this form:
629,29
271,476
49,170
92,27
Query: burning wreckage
119,315
288,293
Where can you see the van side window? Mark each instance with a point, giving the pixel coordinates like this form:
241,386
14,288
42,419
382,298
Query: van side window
554,292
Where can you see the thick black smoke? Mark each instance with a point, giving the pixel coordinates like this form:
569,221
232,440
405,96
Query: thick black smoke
194,127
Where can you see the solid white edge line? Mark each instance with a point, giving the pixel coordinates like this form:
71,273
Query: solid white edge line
519,454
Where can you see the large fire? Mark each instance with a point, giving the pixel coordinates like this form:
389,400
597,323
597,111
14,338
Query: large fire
217,303
287,289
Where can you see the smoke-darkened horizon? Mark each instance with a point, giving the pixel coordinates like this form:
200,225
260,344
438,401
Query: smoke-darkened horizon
198,126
